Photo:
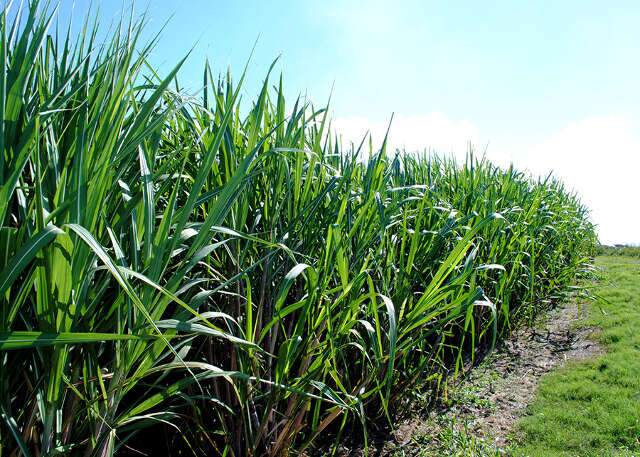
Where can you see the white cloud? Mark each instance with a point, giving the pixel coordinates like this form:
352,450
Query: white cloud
598,157
413,133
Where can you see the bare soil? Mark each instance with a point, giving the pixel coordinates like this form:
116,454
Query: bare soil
494,395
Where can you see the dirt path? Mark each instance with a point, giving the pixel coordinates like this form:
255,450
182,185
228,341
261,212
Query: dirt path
488,403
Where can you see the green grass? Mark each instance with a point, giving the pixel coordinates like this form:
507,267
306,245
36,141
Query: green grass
180,273
593,408
453,439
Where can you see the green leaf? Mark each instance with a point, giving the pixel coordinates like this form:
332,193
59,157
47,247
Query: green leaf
25,255
29,340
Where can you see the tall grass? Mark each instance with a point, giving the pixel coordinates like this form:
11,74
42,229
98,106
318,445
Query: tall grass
178,274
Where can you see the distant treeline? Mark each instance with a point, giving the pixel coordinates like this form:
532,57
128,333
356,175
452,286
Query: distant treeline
619,249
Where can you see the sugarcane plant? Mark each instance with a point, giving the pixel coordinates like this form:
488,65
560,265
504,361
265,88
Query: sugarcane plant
186,273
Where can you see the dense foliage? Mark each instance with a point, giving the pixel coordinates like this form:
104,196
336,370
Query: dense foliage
176,273
618,250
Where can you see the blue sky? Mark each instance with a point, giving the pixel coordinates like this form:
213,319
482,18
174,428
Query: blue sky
544,84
